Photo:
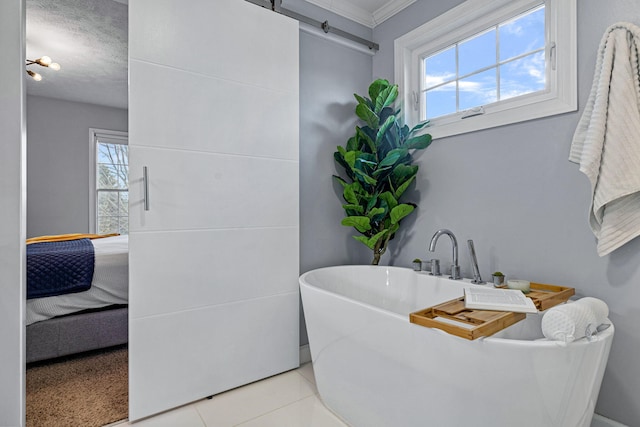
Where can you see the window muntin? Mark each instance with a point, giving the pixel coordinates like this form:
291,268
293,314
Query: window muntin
498,63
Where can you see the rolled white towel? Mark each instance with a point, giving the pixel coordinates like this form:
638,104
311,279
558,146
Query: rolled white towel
599,307
571,321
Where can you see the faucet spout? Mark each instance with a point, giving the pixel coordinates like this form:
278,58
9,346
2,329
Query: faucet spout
455,268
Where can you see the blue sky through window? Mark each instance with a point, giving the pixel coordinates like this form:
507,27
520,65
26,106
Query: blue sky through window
502,62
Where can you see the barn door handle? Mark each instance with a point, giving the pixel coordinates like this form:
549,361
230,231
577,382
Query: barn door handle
145,178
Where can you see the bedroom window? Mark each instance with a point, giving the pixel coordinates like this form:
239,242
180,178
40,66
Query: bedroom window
110,182
488,63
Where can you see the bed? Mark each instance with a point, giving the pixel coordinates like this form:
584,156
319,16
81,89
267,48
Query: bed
96,318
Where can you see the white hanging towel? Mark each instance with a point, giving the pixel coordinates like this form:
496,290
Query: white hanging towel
606,143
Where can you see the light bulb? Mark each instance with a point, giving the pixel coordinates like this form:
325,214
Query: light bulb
44,60
37,77
54,66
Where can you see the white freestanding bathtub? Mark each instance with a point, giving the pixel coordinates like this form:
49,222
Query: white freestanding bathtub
375,368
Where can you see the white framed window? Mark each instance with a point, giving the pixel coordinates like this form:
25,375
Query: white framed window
108,182
488,63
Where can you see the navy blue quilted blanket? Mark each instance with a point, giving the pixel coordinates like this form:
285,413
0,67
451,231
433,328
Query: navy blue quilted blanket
56,268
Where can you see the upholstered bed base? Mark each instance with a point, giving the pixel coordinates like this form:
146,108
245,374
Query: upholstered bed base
76,333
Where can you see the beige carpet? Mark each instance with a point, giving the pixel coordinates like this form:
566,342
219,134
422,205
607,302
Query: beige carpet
86,391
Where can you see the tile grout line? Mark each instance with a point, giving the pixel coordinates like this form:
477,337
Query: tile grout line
274,410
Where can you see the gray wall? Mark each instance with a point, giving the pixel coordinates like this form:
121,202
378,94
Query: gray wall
58,157
329,76
513,191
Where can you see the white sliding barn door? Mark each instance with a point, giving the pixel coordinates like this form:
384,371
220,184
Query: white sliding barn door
213,116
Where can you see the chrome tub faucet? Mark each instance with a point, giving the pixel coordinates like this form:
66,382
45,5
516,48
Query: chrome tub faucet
455,268
474,263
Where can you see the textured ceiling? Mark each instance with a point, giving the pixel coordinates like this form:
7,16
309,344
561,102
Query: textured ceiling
88,38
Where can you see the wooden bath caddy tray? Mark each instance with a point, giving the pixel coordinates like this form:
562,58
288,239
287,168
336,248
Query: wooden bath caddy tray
454,318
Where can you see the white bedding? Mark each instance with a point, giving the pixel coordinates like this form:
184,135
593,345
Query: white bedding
110,284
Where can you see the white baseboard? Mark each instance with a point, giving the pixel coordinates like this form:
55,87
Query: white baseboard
305,354
600,421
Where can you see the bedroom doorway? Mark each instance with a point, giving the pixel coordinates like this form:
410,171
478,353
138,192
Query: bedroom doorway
74,118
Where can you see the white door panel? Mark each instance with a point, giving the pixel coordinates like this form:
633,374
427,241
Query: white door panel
197,190
203,36
213,115
197,353
190,106
239,264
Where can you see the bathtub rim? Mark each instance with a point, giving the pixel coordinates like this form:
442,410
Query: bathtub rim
605,335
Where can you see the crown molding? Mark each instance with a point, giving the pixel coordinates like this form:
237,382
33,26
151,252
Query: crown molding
389,9
362,16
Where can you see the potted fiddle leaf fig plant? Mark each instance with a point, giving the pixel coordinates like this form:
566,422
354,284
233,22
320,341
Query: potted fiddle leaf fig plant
378,168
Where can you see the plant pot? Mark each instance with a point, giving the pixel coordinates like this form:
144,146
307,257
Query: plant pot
498,281
417,266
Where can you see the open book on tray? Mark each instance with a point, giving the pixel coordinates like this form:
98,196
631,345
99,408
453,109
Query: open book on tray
484,298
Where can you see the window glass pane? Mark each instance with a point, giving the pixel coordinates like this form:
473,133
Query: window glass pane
477,52
478,89
107,224
440,68
523,34
123,176
123,208
522,76
108,203
124,225
116,154
441,100
108,176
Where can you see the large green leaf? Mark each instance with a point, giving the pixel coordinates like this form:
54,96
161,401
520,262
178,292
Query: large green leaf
379,171
372,201
419,142
340,160
361,223
393,156
376,87
375,211
363,100
400,211
356,209
400,190
420,126
364,177
349,194
381,214
340,180
367,139
350,158
389,198
371,241
386,98
367,159
353,144
384,128
362,239
368,116
402,172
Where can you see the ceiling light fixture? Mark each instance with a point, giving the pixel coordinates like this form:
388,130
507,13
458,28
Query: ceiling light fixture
43,61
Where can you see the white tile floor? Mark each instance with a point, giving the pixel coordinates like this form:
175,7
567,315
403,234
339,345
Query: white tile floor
286,400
